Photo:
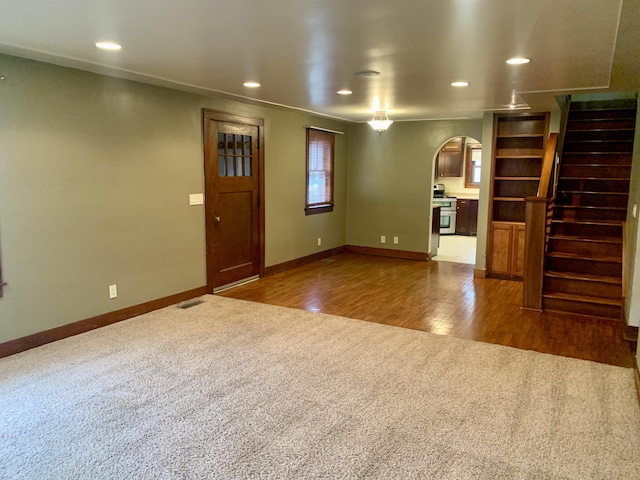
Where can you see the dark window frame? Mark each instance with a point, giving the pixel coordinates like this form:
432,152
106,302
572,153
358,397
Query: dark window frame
328,140
468,165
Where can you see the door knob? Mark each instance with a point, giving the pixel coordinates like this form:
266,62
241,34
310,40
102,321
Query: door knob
216,219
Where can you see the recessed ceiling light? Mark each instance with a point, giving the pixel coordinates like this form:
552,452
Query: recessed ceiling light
108,46
344,92
251,84
518,61
367,73
460,84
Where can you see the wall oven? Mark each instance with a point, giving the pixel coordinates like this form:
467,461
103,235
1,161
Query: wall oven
447,214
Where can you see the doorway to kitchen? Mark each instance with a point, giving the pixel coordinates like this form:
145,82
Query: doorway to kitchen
456,189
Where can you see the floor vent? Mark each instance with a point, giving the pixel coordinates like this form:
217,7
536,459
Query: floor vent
190,303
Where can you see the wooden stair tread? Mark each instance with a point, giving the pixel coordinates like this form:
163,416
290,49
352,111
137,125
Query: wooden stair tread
629,108
597,165
584,299
617,179
582,238
606,223
578,256
569,152
587,277
599,140
590,207
577,130
585,192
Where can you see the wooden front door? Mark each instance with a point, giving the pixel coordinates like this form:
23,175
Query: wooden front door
233,206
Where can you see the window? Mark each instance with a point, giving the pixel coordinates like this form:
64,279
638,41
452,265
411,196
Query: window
473,164
319,198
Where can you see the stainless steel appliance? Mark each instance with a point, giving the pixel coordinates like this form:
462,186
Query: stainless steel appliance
447,214
438,190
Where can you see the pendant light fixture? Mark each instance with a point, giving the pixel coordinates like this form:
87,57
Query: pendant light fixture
380,121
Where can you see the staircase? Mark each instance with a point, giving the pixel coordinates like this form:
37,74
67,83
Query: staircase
583,271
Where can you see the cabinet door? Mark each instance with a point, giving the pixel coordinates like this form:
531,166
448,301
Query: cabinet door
518,250
449,164
501,249
473,217
462,218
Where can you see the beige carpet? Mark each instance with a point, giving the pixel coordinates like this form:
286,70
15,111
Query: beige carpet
233,389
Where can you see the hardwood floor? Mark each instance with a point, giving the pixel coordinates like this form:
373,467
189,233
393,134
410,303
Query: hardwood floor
438,297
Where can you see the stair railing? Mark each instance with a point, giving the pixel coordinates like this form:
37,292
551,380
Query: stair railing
538,215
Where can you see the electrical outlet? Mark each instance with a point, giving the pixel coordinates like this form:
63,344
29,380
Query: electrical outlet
635,210
395,240
319,241
113,291
383,239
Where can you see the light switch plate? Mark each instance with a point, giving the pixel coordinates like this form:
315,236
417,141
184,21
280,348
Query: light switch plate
196,198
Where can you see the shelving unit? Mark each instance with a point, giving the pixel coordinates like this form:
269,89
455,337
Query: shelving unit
518,148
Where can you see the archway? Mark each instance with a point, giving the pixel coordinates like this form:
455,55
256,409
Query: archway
456,188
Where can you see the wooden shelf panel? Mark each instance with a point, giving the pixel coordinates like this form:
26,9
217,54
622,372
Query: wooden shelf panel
518,179
536,156
509,167
527,124
509,211
508,199
519,152
522,135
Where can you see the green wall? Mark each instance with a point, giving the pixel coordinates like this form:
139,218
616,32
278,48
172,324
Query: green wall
390,181
95,174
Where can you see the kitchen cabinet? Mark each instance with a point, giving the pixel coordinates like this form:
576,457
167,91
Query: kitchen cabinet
467,217
507,252
449,162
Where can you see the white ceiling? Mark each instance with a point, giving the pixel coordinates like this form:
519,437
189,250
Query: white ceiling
303,51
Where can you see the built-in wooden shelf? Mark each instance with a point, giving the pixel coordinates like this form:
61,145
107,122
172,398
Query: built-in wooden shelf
518,149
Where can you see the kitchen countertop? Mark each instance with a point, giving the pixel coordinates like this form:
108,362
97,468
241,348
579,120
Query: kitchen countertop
463,196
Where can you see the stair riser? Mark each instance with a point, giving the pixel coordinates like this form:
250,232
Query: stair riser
588,230
583,265
589,309
591,200
588,214
611,135
601,159
596,249
596,171
593,185
577,126
604,146
601,114
582,287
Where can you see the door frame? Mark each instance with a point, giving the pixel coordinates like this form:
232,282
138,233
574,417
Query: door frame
210,151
